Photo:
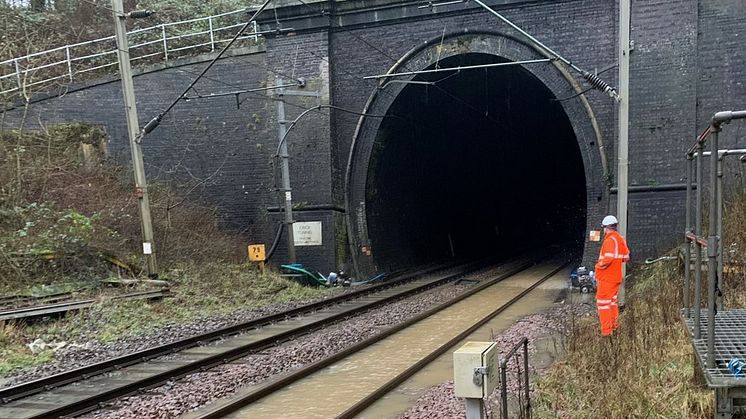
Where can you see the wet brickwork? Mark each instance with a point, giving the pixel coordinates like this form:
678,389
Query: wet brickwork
686,65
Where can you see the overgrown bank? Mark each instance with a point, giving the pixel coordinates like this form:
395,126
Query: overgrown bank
66,212
63,206
647,369
38,25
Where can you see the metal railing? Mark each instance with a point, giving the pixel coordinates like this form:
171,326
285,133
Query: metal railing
694,235
524,391
84,60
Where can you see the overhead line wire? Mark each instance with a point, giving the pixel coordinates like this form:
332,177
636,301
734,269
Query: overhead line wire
303,108
254,94
587,89
406,65
155,121
381,90
93,3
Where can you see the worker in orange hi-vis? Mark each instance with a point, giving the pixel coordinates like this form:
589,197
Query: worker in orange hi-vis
614,253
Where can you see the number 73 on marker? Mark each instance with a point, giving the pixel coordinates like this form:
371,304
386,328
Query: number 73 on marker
256,253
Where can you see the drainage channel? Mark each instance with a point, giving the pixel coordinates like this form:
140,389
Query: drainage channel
343,387
84,395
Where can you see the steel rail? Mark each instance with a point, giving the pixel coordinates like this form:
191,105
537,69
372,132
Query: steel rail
57,308
16,301
10,394
92,402
396,381
263,390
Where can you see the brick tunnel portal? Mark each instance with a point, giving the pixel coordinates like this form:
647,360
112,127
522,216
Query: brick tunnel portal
481,162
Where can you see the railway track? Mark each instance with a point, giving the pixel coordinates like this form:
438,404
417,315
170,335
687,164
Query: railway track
78,391
345,384
10,302
35,311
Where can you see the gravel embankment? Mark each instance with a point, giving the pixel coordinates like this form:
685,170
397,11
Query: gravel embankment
198,389
80,354
83,354
440,402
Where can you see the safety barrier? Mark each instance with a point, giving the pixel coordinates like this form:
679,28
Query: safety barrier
719,345
693,234
524,392
160,43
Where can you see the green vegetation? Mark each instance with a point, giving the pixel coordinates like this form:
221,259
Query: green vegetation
65,214
734,242
199,291
14,354
60,212
36,26
644,370
647,369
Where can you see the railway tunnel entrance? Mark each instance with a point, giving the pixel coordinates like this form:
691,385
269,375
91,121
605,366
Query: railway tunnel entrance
470,163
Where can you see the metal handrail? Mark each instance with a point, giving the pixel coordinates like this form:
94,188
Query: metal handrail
523,343
72,61
694,238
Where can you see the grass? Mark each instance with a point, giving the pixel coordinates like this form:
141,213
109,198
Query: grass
13,353
54,202
199,291
211,289
645,370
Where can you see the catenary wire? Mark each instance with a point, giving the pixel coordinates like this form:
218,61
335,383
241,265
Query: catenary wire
584,91
155,121
406,65
93,3
252,94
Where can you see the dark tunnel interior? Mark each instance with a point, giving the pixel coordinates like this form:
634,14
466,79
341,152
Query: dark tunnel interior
484,162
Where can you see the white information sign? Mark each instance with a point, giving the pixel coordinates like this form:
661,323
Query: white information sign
307,233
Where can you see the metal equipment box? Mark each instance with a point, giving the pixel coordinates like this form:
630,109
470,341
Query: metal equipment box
475,370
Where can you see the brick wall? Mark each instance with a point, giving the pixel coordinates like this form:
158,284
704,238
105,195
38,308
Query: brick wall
225,153
581,30
306,56
687,64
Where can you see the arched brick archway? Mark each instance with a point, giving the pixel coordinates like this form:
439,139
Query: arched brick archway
553,77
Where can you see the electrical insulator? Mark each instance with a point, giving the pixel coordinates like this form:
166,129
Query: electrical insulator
150,126
139,14
599,84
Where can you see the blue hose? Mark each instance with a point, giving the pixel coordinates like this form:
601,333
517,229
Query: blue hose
376,277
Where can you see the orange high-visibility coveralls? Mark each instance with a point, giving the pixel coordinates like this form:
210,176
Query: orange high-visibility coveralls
614,253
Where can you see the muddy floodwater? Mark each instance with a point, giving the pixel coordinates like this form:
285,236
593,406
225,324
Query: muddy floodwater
337,387
441,370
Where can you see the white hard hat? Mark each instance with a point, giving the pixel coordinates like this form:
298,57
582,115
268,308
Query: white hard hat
609,220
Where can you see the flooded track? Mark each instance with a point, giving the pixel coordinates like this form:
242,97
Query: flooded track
105,381
400,399
347,386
